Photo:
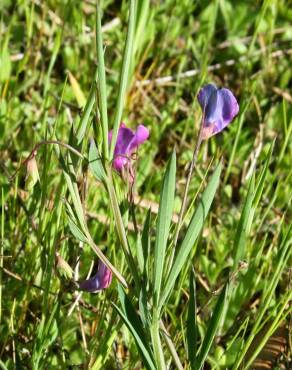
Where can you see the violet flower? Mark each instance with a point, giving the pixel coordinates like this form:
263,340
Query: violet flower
101,280
219,107
127,142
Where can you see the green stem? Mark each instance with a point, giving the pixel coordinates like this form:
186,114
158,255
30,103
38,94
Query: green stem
121,228
103,258
170,346
156,342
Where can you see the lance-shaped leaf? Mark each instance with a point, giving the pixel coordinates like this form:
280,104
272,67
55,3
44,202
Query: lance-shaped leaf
193,231
95,163
242,228
212,329
133,323
192,330
163,224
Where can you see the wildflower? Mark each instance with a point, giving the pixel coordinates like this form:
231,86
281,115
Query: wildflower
219,107
101,280
127,142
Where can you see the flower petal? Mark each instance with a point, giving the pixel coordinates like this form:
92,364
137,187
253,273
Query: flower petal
219,107
127,142
230,106
101,280
204,95
125,137
141,135
120,161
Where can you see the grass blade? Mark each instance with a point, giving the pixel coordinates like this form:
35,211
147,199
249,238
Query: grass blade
124,75
284,254
133,323
95,163
192,333
101,82
163,224
242,228
86,115
212,328
194,228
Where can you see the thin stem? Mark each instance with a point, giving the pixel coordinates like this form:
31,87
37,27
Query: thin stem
190,171
46,142
156,342
121,228
103,258
171,346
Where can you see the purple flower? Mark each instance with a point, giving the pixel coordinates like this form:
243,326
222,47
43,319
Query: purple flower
219,107
127,142
101,280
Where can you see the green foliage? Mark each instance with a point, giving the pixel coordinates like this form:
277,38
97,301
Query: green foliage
163,224
200,303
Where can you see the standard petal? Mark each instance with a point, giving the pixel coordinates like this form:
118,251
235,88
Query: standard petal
219,107
213,108
105,275
125,137
204,95
90,285
127,142
101,280
230,106
141,135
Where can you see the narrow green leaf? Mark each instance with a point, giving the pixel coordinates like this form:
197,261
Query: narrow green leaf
261,182
266,335
83,124
95,163
281,260
145,239
192,332
212,329
78,234
143,308
5,64
242,228
193,230
140,255
124,75
163,224
101,83
133,323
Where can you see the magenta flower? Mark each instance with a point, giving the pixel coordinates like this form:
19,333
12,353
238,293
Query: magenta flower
219,107
101,280
127,142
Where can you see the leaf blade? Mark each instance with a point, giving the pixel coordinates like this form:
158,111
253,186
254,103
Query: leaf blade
192,333
163,224
212,328
193,230
132,321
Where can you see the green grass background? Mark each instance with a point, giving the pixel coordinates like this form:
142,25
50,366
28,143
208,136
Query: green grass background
243,45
